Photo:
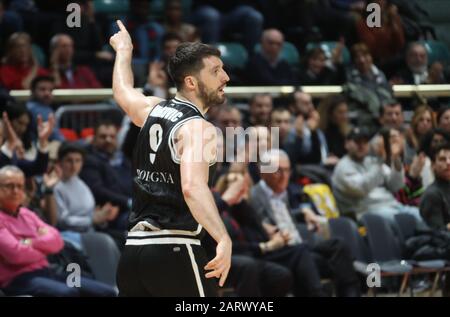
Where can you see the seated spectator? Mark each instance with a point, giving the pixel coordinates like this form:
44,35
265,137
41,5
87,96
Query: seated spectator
435,204
108,173
306,143
301,102
40,103
35,160
66,73
174,22
215,18
251,238
364,184
145,34
270,199
260,106
281,118
387,41
40,196
431,140
77,214
26,241
317,71
303,147
259,141
19,65
443,118
230,117
89,42
423,120
391,115
249,275
366,75
267,67
21,123
158,79
412,189
416,71
335,123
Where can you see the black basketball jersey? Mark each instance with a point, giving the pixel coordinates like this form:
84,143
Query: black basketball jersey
157,195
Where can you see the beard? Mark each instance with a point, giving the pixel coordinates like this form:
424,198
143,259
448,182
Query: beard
210,98
418,69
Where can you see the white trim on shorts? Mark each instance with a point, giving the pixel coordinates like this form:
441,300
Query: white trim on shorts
196,272
168,240
138,231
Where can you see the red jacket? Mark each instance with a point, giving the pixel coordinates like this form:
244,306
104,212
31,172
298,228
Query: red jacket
83,77
12,76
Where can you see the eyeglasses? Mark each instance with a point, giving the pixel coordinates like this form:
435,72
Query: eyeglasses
12,186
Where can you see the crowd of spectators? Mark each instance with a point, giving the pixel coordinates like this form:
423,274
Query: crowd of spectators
359,144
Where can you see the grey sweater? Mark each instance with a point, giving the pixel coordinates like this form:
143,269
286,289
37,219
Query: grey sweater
365,186
75,204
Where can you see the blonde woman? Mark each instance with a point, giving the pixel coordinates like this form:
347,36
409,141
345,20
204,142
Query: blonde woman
422,121
19,65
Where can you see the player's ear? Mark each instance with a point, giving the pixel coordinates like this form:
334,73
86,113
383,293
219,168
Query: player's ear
190,82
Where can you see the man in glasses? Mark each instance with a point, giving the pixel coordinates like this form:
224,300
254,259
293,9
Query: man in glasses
274,201
25,242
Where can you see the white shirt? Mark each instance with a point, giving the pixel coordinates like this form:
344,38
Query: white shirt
281,213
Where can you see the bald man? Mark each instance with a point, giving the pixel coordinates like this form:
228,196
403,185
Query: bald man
267,67
25,243
66,74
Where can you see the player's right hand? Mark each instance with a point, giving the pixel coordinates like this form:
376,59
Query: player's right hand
121,40
220,265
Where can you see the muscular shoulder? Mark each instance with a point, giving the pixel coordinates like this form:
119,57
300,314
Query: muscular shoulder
198,125
199,135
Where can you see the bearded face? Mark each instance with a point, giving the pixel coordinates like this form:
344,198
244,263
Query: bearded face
209,96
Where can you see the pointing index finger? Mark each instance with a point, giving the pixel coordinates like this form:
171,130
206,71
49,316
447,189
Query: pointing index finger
121,26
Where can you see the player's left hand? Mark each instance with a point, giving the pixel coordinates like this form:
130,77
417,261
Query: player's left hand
220,265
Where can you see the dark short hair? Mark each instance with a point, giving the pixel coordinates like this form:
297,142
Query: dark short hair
258,95
104,122
425,144
390,103
188,60
171,37
313,53
39,79
291,97
442,147
359,49
70,147
441,112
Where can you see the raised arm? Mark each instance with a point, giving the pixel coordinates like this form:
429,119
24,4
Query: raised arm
194,140
134,103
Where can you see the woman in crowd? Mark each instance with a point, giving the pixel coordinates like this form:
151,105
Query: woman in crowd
19,65
443,118
335,123
422,121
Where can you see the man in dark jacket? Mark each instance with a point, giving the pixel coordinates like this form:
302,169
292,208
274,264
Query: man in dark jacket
107,172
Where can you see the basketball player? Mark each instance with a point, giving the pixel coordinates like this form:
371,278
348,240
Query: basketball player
172,202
